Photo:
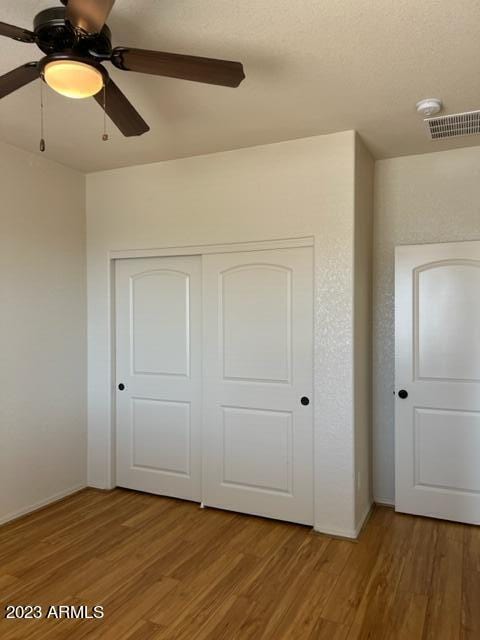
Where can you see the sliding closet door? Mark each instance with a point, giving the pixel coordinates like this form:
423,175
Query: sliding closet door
258,350
159,375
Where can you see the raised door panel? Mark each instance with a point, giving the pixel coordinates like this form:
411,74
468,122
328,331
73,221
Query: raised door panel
448,321
256,323
160,323
161,436
447,446
257,449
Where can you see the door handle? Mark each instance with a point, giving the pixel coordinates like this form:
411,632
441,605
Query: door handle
403,394
305,401
121,386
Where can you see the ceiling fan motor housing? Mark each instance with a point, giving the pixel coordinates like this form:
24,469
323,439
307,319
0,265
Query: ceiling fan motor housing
54,34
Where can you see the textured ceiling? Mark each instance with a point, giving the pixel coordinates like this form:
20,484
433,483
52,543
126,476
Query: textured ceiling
312,67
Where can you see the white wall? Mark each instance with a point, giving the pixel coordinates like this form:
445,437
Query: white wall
364,179
427,198
292,189
42,331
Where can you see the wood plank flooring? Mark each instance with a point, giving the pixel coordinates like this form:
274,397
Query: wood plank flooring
165,570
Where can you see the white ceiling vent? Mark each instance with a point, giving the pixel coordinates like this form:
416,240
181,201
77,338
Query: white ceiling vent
457,124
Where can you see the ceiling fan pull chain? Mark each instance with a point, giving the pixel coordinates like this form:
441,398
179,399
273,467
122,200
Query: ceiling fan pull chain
43,146
105,134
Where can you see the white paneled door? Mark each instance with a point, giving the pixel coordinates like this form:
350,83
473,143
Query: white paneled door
437,418
159,375
258,350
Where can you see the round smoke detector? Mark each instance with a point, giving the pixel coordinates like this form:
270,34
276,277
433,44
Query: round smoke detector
429,107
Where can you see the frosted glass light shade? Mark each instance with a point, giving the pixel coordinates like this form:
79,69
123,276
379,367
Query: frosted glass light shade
73,79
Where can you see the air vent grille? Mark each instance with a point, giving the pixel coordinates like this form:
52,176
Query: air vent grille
457,124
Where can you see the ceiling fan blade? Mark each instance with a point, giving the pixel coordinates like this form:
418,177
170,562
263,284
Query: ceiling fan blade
89,15
121,111
16,33
174,65
18,78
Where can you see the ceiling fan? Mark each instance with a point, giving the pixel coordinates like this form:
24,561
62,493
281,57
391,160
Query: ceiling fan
77,41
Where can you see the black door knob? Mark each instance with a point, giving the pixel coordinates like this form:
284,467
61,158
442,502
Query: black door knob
121,386
403,394
305,401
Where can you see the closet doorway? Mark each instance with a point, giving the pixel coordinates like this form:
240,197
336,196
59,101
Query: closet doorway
214,377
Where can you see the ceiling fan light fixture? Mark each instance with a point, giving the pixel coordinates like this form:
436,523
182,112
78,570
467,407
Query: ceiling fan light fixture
73,79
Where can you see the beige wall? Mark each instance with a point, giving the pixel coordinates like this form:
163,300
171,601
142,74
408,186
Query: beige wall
42,336
292,189
418,199
362,330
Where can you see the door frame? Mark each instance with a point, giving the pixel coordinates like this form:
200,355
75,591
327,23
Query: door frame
196,250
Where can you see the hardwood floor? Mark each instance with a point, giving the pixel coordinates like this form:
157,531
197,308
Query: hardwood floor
165,570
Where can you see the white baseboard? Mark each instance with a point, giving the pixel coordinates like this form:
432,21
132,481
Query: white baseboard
336,533
100,487
349,534
41,503
364,518
384,502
